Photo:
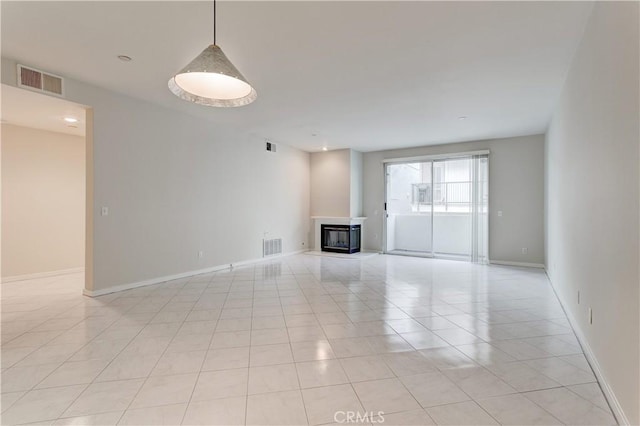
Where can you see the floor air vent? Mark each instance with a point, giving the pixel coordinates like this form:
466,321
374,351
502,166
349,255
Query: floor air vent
271,247
40,81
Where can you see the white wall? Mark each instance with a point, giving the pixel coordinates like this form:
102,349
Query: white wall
516,187
43,202
176,184
592,196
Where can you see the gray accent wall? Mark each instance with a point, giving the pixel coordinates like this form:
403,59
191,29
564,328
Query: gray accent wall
331,183
357,178
336,183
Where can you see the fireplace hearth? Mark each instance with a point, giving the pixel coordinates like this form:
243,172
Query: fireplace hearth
340,238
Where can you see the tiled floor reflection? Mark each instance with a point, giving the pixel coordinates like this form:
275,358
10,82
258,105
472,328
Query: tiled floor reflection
299,340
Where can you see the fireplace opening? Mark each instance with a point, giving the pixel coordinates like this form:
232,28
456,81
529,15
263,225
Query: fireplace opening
340,238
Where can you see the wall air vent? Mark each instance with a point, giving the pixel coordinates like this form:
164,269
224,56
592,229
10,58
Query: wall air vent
271,247
40,81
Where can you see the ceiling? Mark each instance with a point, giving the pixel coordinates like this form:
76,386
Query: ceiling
361,75
29,109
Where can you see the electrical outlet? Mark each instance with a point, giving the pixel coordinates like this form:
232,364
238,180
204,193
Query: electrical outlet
525,250
499,213
200,254
590,315
104,211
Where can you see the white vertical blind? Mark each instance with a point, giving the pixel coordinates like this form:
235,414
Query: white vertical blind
480,209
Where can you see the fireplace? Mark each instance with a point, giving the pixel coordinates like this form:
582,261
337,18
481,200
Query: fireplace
340,238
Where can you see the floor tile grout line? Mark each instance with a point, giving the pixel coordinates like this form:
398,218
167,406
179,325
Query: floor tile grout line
295,369
35,326
111,361
541,407
567,388
206,352
33,388
602,393
474,402
246,398
398,378
377,307
146,379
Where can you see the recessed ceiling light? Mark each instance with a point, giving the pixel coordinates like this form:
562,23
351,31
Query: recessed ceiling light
462,117
324,148
70,120
124,58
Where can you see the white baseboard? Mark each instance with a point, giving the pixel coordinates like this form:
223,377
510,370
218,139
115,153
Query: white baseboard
521,264
614,404
158,280
42,275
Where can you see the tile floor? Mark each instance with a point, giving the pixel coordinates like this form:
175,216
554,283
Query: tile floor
299,340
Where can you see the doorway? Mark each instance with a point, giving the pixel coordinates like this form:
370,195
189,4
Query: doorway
438,207
44,197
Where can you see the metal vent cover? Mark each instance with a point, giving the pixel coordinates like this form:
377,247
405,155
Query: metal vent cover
40,81
271,247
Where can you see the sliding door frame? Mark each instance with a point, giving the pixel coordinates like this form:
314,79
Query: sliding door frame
431,159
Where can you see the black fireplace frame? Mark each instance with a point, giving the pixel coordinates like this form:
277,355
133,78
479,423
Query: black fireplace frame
353,245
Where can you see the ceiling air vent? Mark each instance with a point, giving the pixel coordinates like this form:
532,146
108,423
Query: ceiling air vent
40,81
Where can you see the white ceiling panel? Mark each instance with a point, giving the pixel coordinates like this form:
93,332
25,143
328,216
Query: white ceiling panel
362,75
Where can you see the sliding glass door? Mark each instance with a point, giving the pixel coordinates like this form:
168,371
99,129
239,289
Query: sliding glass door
409,208
438,208
452,208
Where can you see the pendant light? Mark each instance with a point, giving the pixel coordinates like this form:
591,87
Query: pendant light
212,80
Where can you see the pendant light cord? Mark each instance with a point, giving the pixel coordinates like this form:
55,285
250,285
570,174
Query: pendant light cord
214,22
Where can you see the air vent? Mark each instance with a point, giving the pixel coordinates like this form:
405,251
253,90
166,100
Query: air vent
40,81
271,247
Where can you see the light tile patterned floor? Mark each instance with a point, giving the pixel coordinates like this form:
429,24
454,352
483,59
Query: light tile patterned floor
299,340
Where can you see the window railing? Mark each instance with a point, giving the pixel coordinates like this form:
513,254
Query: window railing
444,194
